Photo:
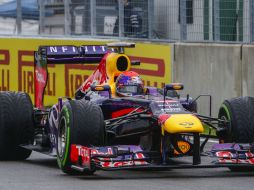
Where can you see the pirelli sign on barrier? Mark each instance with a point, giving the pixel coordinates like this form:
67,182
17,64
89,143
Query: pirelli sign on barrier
17,66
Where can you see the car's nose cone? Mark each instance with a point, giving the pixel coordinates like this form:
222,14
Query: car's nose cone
182,123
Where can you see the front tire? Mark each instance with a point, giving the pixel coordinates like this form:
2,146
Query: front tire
81,122
239,112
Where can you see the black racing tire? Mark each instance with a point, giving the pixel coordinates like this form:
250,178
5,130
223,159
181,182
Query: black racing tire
239,111
81,122
16,125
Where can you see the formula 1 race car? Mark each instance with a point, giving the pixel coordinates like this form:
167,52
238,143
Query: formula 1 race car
115,122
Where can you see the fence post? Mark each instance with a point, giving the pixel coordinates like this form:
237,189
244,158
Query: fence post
183,20
216,12
67,16
150,18
42,16
121,18
251,21
93,17
19,17
211,20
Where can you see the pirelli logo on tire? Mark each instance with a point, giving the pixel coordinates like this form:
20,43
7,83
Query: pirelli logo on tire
17,67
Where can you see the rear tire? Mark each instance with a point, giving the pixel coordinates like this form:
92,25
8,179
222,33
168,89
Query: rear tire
81,122
239,112
16,125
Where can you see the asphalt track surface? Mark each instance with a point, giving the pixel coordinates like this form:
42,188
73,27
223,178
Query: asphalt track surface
41,172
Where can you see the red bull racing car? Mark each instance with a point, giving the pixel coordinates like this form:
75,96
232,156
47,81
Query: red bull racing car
115,122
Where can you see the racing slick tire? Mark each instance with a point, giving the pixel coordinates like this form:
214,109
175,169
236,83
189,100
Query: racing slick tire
239,112
81,122
16,125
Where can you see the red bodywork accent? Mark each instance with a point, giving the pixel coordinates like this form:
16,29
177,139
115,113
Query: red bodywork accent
40,76
224,154
249,155
83,153
99,76
163,118
74,154
122,112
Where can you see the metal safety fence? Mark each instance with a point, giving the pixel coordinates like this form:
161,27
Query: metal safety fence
162,20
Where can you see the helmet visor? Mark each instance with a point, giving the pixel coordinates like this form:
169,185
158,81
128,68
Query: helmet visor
132,89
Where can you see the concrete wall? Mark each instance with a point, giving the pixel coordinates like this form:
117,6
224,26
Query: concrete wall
248,70
214,69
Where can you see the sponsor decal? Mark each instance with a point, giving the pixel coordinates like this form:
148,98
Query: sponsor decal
26,75
4,70
236,161
224,154
226,157
40,77
64,50
183,146
186,124
122,164
85,153
5,79
170,106
4,57
116,164
97,152
249,155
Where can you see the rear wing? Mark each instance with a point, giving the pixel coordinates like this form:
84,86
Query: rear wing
87,54
82,54
71,54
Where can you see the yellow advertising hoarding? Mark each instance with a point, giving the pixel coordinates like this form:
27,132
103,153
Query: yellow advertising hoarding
17,66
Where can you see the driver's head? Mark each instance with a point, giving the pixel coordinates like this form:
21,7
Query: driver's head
129,83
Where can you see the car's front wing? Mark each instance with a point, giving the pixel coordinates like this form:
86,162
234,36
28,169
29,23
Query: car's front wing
133,157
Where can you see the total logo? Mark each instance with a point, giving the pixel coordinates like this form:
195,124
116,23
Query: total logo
83,151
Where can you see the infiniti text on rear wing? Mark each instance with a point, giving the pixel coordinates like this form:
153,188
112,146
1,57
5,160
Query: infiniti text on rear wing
71,54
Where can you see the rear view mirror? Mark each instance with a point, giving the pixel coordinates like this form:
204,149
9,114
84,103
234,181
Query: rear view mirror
101,88
174,86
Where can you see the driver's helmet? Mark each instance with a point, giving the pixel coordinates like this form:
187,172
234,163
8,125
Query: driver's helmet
129,83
